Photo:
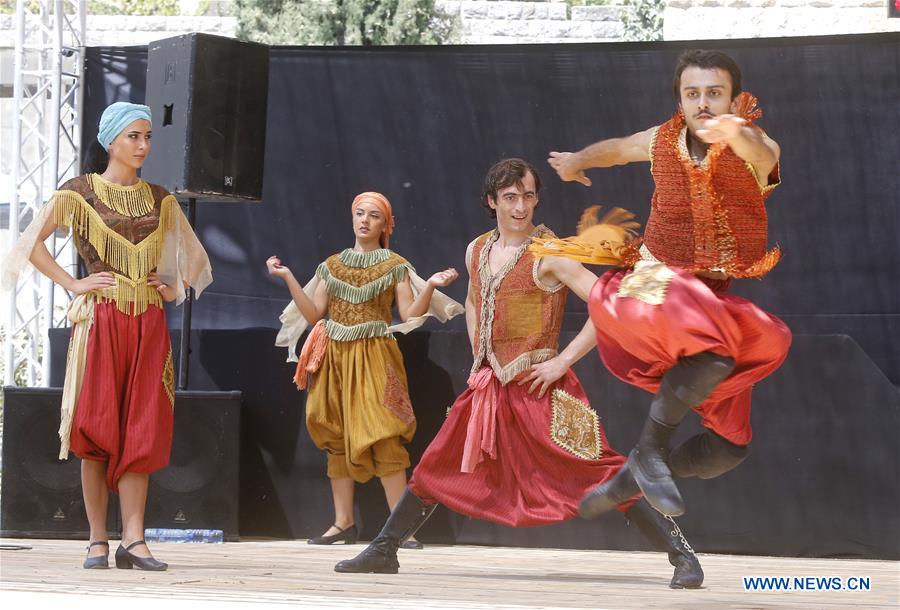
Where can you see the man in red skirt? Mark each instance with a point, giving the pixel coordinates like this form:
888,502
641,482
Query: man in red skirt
521,445
667,324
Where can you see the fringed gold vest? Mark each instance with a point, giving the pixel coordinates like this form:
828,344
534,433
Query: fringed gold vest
360,287
118,229
518,317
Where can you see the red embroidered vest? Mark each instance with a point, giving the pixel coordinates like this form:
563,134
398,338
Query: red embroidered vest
712,216
519,318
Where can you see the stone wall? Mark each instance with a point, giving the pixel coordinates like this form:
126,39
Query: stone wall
480,22
114,30
708,19
506,22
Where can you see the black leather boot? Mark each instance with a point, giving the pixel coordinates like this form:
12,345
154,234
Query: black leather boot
706,455
647,464
381,554
686,384
664,534
608,495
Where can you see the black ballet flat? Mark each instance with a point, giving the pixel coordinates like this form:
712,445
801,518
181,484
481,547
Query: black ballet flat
348,535
126,560
101,562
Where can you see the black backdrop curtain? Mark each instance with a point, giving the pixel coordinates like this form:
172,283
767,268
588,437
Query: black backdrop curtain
423,124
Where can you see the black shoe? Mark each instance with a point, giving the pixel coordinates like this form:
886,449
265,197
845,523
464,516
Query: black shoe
380,556
126,560
664,534
654,479
348,535
414,545
609,494
100,562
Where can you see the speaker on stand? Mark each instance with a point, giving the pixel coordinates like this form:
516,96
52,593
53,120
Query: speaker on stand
208,96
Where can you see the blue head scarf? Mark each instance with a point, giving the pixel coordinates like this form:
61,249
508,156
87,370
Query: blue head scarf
117,117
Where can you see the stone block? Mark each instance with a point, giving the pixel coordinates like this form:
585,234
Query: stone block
597,13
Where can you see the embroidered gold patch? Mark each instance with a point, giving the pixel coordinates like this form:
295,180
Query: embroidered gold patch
396,397
648,282
168,378
523,314
575,426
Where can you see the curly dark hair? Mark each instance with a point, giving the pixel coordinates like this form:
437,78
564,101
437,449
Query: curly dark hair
504,174
707,60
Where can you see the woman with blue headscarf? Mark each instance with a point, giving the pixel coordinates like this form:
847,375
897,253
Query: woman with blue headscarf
118,398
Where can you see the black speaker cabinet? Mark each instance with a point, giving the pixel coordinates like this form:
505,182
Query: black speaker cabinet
199,488
41,494
208,98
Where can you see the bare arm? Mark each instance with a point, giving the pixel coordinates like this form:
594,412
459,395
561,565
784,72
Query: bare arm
413,308
471,313
46,264
605,153
471,318
312,309
748,143
553,270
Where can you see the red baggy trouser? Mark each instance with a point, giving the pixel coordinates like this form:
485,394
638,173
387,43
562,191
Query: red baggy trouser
124,413
639,341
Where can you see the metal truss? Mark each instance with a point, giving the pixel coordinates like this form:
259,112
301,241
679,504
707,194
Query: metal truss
47,93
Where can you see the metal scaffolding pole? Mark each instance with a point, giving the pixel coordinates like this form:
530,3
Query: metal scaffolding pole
48,65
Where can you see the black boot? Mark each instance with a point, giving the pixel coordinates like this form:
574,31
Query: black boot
686,384
664,534
608,495
647,464
381,554
706,455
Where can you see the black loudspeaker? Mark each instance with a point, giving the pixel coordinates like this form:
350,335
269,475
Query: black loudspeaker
41,494
199,488
208,98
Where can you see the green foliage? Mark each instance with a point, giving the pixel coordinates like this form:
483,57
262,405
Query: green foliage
342,22
643,19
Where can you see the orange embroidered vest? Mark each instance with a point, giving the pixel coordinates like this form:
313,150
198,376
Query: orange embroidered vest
518,317
712,216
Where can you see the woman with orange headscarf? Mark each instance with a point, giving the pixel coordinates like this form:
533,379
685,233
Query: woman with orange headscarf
358,409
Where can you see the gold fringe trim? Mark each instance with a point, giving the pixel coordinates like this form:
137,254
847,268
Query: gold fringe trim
367,330
134,201
760,268
131,297
134,260
364,260
763,188
360,294
519,365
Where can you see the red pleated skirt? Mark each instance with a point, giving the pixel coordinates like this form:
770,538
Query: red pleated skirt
533,479
638,342
124,414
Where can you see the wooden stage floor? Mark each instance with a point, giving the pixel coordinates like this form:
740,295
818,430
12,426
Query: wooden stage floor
272,574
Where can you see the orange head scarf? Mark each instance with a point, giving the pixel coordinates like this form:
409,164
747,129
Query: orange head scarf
384,205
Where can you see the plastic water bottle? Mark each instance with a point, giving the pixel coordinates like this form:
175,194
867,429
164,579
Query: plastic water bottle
160,534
